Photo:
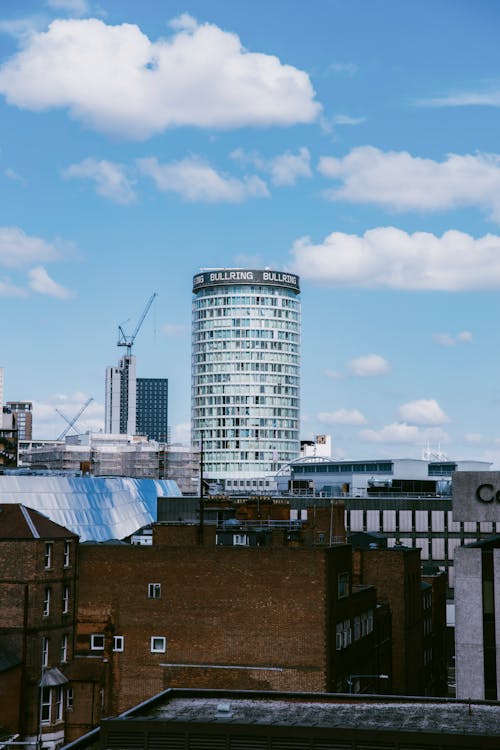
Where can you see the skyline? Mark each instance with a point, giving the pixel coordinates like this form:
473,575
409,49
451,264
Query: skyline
354,146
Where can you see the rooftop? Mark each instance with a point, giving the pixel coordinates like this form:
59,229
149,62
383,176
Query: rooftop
325,711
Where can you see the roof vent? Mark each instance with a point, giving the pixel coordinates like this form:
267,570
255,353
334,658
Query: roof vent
224,710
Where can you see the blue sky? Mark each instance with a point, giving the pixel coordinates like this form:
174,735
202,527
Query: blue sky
353,143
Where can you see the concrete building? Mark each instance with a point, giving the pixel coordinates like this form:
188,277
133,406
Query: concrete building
245,404
121,397
476,495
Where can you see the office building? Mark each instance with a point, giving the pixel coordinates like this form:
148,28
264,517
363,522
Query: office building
135,406
152,408
245,406
18,415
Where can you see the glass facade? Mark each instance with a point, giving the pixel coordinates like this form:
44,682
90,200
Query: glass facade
152,408
246,372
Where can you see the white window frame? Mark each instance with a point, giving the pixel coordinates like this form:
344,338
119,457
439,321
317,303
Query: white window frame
59,703
95,640
69,699
46,704
240,540
48,555
158,648
119,643
46,601
65,600
45,651
64,648
154,590
66,554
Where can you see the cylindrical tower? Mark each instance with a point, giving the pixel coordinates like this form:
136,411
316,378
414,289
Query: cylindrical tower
245,396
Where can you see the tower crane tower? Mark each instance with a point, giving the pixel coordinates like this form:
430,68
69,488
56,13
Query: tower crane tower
128,341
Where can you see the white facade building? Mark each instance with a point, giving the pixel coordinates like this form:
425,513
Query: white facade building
245,401
121,397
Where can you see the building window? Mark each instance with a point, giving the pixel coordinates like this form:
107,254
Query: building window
48,555
343,585
240,540
59,704
118,643
69,699
158,644
46,705
66,554
65,600
45,651
46,602
64,648
357,628
97,642
154,590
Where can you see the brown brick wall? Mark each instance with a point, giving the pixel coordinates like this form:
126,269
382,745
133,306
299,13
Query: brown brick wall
220,607
396,575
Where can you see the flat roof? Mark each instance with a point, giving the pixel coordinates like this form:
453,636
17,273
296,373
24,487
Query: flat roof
342,712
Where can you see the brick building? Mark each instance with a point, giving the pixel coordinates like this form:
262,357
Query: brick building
274,618
262,600
38,581
418,610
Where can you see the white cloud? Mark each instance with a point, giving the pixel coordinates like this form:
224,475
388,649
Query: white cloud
342,416
7,289
74,7
117,80
369,365
473,437
174,329
110,179
13,175
347,120
464,99
195,180
423,411
181,433
402,182
40,281
402,433
285,169
390,258
349,68
18,249
48,424
333,374
447,339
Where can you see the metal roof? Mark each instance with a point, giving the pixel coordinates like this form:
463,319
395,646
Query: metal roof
95,508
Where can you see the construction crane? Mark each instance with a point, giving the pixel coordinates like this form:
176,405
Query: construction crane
72,422
123,339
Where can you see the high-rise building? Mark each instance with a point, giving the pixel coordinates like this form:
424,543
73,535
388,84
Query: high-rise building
245,399
120,397
21,416
135,406
152,408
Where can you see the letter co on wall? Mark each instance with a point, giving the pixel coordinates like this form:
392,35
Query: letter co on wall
476,495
